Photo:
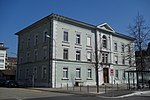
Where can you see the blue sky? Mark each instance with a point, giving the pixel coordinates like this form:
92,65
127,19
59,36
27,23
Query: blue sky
18,14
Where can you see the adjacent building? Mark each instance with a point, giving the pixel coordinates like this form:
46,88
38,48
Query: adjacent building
57,51
2,56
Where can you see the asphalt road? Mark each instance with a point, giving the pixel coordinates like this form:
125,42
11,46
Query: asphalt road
21,93
27,94
77,97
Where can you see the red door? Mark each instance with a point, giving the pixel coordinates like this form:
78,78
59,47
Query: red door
106,75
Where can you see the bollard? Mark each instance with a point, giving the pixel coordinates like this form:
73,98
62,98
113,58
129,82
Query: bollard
73,87
105,88
61,85
117,86
80,88
87,88
67,86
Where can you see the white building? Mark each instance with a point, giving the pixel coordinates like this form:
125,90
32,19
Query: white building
58,51
2,56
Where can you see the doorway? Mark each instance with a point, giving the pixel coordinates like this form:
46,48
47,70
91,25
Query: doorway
106,75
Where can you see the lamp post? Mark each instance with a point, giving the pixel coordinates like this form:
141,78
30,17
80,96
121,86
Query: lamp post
48,36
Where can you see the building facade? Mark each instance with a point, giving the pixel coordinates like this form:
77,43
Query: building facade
57,51
2,56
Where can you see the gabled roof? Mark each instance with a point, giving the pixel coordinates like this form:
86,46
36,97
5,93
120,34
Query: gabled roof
105,26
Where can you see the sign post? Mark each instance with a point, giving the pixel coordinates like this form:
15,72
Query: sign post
112,74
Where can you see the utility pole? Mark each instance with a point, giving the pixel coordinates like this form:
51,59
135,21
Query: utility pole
96,62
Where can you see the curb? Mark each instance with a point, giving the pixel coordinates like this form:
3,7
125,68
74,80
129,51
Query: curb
69,92
136,93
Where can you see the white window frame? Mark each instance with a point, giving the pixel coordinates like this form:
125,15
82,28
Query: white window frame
65,73
88,41
122,47
78,55
89,74
78,73
65,53
116,59
78,39
89,56
104,41
115,46
65,36
117,74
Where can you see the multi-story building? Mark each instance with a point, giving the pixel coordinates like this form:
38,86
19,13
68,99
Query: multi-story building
58,51
2,56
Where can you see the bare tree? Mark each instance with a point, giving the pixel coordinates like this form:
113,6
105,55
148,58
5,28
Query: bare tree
141,32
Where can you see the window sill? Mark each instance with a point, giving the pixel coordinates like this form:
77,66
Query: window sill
77,78
64,79
89,46
78,44
89,79
65,42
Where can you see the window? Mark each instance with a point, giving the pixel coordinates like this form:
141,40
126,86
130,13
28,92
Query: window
65,36
28,43
130,61
115,46
78,73
27,74
22,45
88,41
45,53
35,55
89,73
104,58
44,73
104,41
65,53
77,38
2,66
116,59
44,36
123,59
1,54
116,73
78,55
129,49
28,56
65,72
122,47
35,72
36,40
1,60
124,75
21,60
20,74
89,58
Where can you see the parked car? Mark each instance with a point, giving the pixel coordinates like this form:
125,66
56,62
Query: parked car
2,82
11,83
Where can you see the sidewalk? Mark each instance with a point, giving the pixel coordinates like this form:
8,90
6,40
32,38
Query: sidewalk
91,91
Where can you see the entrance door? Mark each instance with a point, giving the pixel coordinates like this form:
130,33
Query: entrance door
106,75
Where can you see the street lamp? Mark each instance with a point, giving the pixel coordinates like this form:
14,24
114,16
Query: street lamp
48,36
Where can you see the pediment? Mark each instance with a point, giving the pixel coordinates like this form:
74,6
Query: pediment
105,26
